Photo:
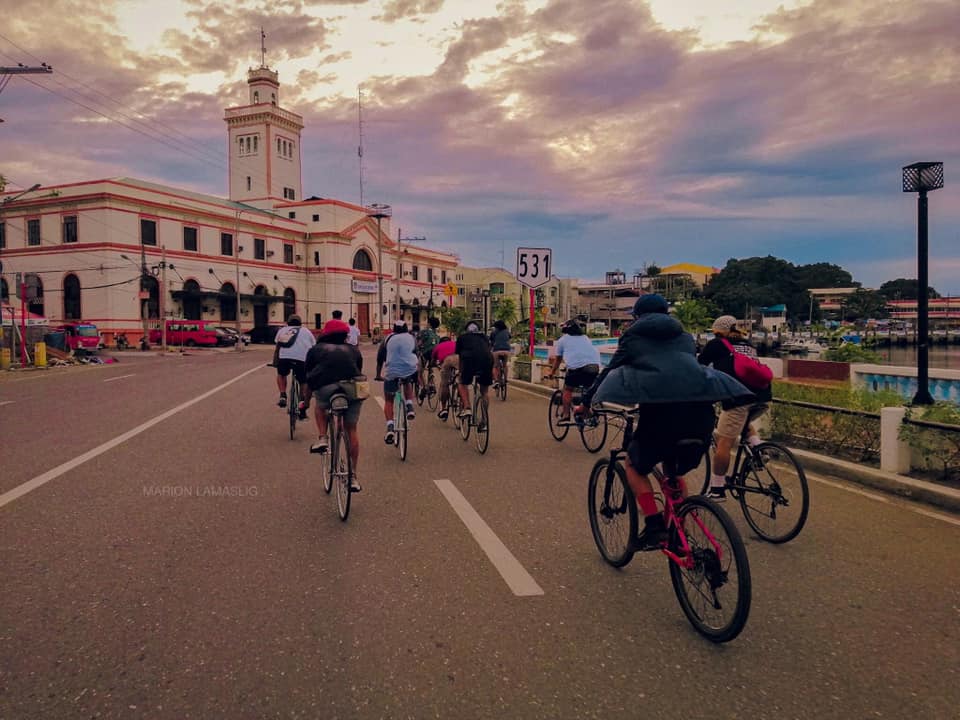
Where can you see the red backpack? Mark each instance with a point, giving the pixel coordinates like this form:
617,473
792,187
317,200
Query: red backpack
750,371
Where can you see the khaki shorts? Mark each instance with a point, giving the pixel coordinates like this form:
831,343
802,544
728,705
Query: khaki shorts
732,422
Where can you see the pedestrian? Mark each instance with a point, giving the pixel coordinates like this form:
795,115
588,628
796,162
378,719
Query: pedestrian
353,336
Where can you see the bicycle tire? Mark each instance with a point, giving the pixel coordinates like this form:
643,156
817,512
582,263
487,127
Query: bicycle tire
593,432
400,424
344,468
780,479
554,409
292,409
465,424
453,406
433,397
416,392
482,417
326,466
707,465
607,519
711,573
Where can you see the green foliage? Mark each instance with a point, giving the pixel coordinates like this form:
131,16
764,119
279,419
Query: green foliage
455,319
865,304
852,353
939,447
505,309
694,315
652,270
904,289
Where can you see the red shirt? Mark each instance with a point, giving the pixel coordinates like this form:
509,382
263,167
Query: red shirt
443,350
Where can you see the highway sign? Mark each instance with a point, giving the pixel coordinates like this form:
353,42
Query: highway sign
534,266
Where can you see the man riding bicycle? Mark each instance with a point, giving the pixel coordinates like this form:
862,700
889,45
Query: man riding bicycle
476,361
500,343
329,362
426,341
582,359
656,366
398,353
290,351
445,356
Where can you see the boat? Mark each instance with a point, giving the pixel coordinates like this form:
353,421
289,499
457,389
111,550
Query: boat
802,346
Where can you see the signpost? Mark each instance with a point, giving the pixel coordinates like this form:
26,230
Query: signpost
533,270
450,290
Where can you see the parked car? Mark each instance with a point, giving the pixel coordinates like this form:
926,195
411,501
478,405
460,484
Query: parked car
187,332
265,334
231,335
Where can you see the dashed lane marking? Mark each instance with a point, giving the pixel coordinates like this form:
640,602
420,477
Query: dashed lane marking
7,402
517,578
120,377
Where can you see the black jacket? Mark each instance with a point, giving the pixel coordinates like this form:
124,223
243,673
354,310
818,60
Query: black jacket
328,363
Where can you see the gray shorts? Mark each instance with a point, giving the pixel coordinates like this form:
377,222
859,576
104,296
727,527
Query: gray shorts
323,395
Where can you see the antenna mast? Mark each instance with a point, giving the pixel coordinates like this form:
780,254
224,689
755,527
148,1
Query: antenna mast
360,146
263,48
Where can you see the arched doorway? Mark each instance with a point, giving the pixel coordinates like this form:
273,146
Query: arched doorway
289,302
416,311
36,305
362,261
192,307
4,291
151,285
71,298
228,303
260,309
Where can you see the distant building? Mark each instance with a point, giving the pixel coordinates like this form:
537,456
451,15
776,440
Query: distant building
831,299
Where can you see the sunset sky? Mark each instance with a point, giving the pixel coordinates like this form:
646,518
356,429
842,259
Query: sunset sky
617,132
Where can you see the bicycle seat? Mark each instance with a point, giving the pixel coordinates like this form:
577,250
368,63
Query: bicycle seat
339,401
617,407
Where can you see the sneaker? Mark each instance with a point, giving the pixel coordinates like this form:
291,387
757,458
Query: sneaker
717,494
654,533
465,413
282,402
389,437
410,411
302,408
321,446
443,414
423,394
354,484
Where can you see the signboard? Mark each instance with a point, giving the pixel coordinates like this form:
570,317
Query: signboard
364,286
534,266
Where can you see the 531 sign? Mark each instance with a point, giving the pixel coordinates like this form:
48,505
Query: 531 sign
534,266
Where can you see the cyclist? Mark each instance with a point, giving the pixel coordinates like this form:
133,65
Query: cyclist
328,362
500,342
655,365
476,361
582,359
426,342
733,417
445,356
290,351
398,353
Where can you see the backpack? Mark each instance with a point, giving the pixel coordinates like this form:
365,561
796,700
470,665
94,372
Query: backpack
287,336
750,371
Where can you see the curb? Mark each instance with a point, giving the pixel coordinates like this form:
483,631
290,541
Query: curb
891,483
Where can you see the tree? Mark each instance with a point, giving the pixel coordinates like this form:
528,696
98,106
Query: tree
505,309
824,275
865,304
454,319
904,289
653,270
694,315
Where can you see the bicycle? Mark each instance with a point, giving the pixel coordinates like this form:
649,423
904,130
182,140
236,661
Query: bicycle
432,396
480,419
500,386
708,562
293,401
592,426
337,467
454,405
400,422
770,486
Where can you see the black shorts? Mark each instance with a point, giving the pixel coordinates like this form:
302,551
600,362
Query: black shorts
581,377
285,365
479,366
661,427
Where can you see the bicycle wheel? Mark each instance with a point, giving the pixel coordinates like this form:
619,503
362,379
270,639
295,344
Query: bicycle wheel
454,406
554,410
465,424
343,469
774,495
400,424
593,431
416,392
327,469
481,417
292,409
433,397
714,592
613,513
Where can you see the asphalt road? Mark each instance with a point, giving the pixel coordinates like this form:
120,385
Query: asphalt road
191,566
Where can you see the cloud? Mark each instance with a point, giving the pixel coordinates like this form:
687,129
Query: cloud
395,10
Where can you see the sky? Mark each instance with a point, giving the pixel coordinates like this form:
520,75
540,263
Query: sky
620,133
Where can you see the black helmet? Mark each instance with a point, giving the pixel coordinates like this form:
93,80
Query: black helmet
571,327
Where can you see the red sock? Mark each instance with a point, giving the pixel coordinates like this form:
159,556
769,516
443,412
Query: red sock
647,503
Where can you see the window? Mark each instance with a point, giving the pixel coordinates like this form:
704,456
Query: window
415,272
317,320
228,302
278,145
289,194
430,275
362,261
259,249
4,290
443,277
148,232
256,97
289,302
292,215
190,238
3,235
316,218
256,142
288,253
33,232
273,98
316,257
248,183
226,244
69,228
249,144
71,298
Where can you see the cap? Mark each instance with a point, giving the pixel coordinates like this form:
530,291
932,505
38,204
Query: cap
651,303
473,327
399,324
724,323
332,327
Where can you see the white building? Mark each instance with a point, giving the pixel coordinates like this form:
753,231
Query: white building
281,253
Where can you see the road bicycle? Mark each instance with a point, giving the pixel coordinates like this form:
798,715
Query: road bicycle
454,406
592,426
336,466
401,426
293,402
769,484
431,395
708,562
500,386
479,420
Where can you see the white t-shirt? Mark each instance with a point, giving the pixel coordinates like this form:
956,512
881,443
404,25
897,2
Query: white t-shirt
353,337
300,347
577,351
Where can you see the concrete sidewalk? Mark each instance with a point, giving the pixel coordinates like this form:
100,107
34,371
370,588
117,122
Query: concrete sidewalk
893,483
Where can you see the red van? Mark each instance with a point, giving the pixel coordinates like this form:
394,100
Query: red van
187,332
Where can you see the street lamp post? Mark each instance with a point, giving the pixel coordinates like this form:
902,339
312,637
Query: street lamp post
379,211
237,250
400,241
920,178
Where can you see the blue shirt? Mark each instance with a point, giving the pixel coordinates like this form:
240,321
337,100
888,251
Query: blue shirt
577,351
401,359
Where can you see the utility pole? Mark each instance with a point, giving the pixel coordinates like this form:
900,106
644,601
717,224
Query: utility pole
163,301
236,262
379,211
8,72
144,302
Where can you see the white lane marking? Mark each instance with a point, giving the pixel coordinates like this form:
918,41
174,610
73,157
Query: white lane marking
39,480
7,402
379,401
519,580
119,377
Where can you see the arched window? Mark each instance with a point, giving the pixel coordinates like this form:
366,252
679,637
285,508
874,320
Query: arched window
71,298
192,307
284,148
240,145
273,98
362,261
228,302
289,302
256,97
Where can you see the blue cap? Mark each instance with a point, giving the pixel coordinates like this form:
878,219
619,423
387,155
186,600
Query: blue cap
652,303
